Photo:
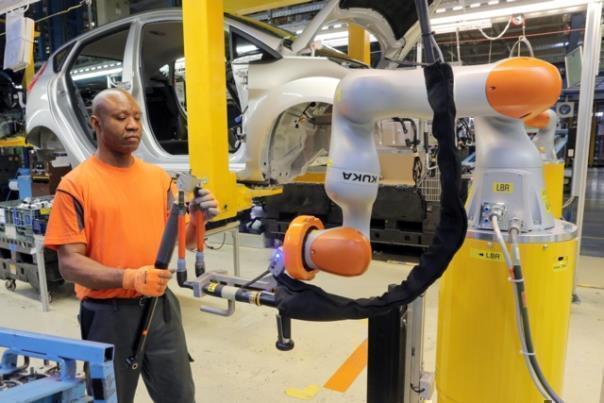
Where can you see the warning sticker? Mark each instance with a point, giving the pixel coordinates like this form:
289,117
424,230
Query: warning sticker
561,263
488,255
503,187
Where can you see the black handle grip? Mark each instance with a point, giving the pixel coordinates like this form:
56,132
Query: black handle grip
168,241
284,334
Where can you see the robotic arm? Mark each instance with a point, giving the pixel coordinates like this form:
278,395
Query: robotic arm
545,139
500,95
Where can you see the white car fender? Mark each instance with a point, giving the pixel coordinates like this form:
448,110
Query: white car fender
267,109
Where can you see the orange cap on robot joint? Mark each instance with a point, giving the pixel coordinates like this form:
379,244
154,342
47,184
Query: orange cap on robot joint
523,87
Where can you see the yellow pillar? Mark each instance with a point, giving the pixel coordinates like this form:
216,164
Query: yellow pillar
359,46
28,76
206,103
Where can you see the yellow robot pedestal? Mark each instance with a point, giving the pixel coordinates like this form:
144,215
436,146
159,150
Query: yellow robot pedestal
479,355
553,175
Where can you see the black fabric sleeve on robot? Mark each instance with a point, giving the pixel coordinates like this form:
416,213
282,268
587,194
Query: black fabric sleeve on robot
298,300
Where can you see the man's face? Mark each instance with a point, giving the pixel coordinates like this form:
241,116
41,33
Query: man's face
117,124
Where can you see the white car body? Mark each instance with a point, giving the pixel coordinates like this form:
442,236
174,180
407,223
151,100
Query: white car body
284,103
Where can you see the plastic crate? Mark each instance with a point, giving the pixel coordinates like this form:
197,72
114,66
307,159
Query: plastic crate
28,217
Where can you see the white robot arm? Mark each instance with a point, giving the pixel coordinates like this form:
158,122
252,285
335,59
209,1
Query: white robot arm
545,139
499,95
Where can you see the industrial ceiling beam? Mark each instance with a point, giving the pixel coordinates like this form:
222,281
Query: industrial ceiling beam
253,6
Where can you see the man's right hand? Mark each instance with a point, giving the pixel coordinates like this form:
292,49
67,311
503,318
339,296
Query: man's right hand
147,280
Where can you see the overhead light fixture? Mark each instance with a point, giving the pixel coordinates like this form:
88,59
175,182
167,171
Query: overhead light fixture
447,28
85,76
474,5
505,10
337,39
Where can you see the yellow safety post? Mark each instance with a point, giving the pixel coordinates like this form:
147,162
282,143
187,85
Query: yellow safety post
359,46
206,104
30,71
243,7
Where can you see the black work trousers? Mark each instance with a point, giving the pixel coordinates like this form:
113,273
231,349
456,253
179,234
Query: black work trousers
164,364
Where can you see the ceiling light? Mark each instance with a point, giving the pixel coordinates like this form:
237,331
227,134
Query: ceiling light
474,5
78,77
507,10
457,8
447,28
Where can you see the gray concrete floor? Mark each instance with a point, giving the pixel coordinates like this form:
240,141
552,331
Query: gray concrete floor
592,243
236,360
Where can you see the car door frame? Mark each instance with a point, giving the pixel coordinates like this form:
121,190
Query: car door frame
67,113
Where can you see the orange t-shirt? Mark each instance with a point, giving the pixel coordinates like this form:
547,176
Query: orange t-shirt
118,213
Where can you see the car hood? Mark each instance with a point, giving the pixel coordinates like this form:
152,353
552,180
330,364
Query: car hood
390,21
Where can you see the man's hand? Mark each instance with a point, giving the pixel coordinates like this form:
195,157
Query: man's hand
204,200
147,280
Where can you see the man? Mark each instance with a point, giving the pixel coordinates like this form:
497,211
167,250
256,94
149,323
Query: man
107,221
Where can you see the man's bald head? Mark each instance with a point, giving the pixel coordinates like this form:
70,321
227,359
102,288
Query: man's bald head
116,120
103,101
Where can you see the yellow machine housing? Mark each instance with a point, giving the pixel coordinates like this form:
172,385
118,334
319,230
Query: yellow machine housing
553,175
478,348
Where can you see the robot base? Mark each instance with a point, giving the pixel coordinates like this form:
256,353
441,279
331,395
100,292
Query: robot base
479,355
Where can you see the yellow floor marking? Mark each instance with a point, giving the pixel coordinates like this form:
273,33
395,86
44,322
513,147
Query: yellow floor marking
341,380
307,393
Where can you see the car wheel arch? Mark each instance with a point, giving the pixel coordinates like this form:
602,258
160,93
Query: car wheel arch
271,106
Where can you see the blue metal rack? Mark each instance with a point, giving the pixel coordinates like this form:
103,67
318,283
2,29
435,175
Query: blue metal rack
64,385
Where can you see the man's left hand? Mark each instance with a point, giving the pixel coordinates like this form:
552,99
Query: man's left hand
206,202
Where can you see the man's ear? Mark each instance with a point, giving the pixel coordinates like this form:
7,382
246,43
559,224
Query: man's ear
95,123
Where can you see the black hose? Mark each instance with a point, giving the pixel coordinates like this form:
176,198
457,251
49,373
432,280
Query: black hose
181,278
255,279
525,330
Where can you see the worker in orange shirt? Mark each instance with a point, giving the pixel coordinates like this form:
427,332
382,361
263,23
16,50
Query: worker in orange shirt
106,224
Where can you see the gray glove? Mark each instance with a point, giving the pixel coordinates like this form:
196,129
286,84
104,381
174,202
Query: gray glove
204,200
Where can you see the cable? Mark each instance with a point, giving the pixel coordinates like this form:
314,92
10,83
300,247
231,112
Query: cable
569,202
219,246
67,10
522,318
494,38
255,279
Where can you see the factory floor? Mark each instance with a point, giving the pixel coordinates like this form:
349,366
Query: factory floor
235,358
593,236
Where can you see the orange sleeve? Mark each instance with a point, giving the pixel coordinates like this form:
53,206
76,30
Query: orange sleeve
66,221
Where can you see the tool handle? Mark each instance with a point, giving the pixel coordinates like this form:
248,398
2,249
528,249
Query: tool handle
182,236
168,241
164,255
200,228
200,225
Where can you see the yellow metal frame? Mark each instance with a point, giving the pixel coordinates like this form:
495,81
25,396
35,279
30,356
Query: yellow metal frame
203,25
359,45
14,142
